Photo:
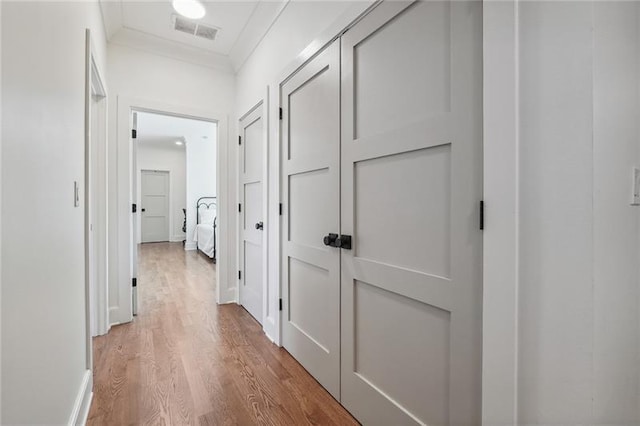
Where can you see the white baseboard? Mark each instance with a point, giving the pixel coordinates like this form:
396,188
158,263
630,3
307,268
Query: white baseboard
191,245
228,296
178,238
81,407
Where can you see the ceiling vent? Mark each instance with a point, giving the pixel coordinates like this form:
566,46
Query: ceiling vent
193,28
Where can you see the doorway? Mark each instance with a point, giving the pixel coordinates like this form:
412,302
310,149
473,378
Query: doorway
174,166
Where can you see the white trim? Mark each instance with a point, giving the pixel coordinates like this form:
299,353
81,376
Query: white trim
500,264
191,246
82,404
225,291
97,304
178,238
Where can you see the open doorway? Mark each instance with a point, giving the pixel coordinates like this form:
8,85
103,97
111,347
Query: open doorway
174,187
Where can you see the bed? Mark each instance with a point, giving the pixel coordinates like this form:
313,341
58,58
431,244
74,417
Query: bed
206,226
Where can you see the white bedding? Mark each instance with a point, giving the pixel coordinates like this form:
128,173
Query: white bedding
204,237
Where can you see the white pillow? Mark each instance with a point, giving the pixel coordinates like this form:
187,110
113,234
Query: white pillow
207,216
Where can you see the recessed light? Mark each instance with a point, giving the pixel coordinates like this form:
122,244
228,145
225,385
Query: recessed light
179,143
191,9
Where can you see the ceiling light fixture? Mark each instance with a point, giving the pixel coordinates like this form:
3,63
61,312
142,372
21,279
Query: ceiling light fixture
179,143
191,9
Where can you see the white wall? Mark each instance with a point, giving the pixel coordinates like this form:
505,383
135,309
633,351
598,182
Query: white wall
44,359
576,236
173,160
136,74
201,178
296,29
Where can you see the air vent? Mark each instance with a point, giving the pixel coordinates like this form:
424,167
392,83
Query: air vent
185,26
206,32
193,28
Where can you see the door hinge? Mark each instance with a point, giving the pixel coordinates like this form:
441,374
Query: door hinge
134,133
280,304
280,113
481,215
239,208
239,140
239,275
134,282
280,209
134,208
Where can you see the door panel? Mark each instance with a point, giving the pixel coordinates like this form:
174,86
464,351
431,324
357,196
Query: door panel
411,182
311,206
251,254
154,186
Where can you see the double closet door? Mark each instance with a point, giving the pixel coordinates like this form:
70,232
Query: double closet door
381,180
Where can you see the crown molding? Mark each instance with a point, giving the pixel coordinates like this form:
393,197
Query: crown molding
160,46
264,16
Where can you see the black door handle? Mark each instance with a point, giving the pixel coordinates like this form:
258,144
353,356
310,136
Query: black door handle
143,209
344,242
330,240
260,226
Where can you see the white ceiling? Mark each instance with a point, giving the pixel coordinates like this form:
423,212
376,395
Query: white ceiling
162,131
148,25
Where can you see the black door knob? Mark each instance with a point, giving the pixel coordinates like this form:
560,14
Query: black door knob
144,209
260,226
330,240
344,242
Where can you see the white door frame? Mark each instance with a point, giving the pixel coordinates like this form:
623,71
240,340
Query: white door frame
139,200
500,242
121,309
268,316
96,292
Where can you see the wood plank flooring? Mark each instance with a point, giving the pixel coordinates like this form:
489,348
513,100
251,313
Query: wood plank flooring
186,361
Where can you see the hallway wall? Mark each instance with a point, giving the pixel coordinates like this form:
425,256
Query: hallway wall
44,357
579,236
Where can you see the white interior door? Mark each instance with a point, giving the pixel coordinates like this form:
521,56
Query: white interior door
154,209
251,212
311,206
411,154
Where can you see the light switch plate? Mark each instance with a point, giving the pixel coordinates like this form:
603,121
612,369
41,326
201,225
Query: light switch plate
635,200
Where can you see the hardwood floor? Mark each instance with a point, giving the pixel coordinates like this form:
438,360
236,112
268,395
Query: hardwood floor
186,361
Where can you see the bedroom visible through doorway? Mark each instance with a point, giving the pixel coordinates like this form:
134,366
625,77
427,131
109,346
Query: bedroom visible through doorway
174,190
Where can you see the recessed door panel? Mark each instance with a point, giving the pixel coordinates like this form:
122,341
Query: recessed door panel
411,181
417,217
251,221
309,194
402,70
311,210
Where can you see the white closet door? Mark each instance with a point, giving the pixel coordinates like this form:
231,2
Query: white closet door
155,206
311,211
251,215
411,186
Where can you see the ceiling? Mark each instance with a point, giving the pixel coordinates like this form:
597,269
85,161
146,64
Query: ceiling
148,25
162,131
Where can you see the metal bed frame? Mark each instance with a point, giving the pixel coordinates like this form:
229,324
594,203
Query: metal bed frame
213,202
